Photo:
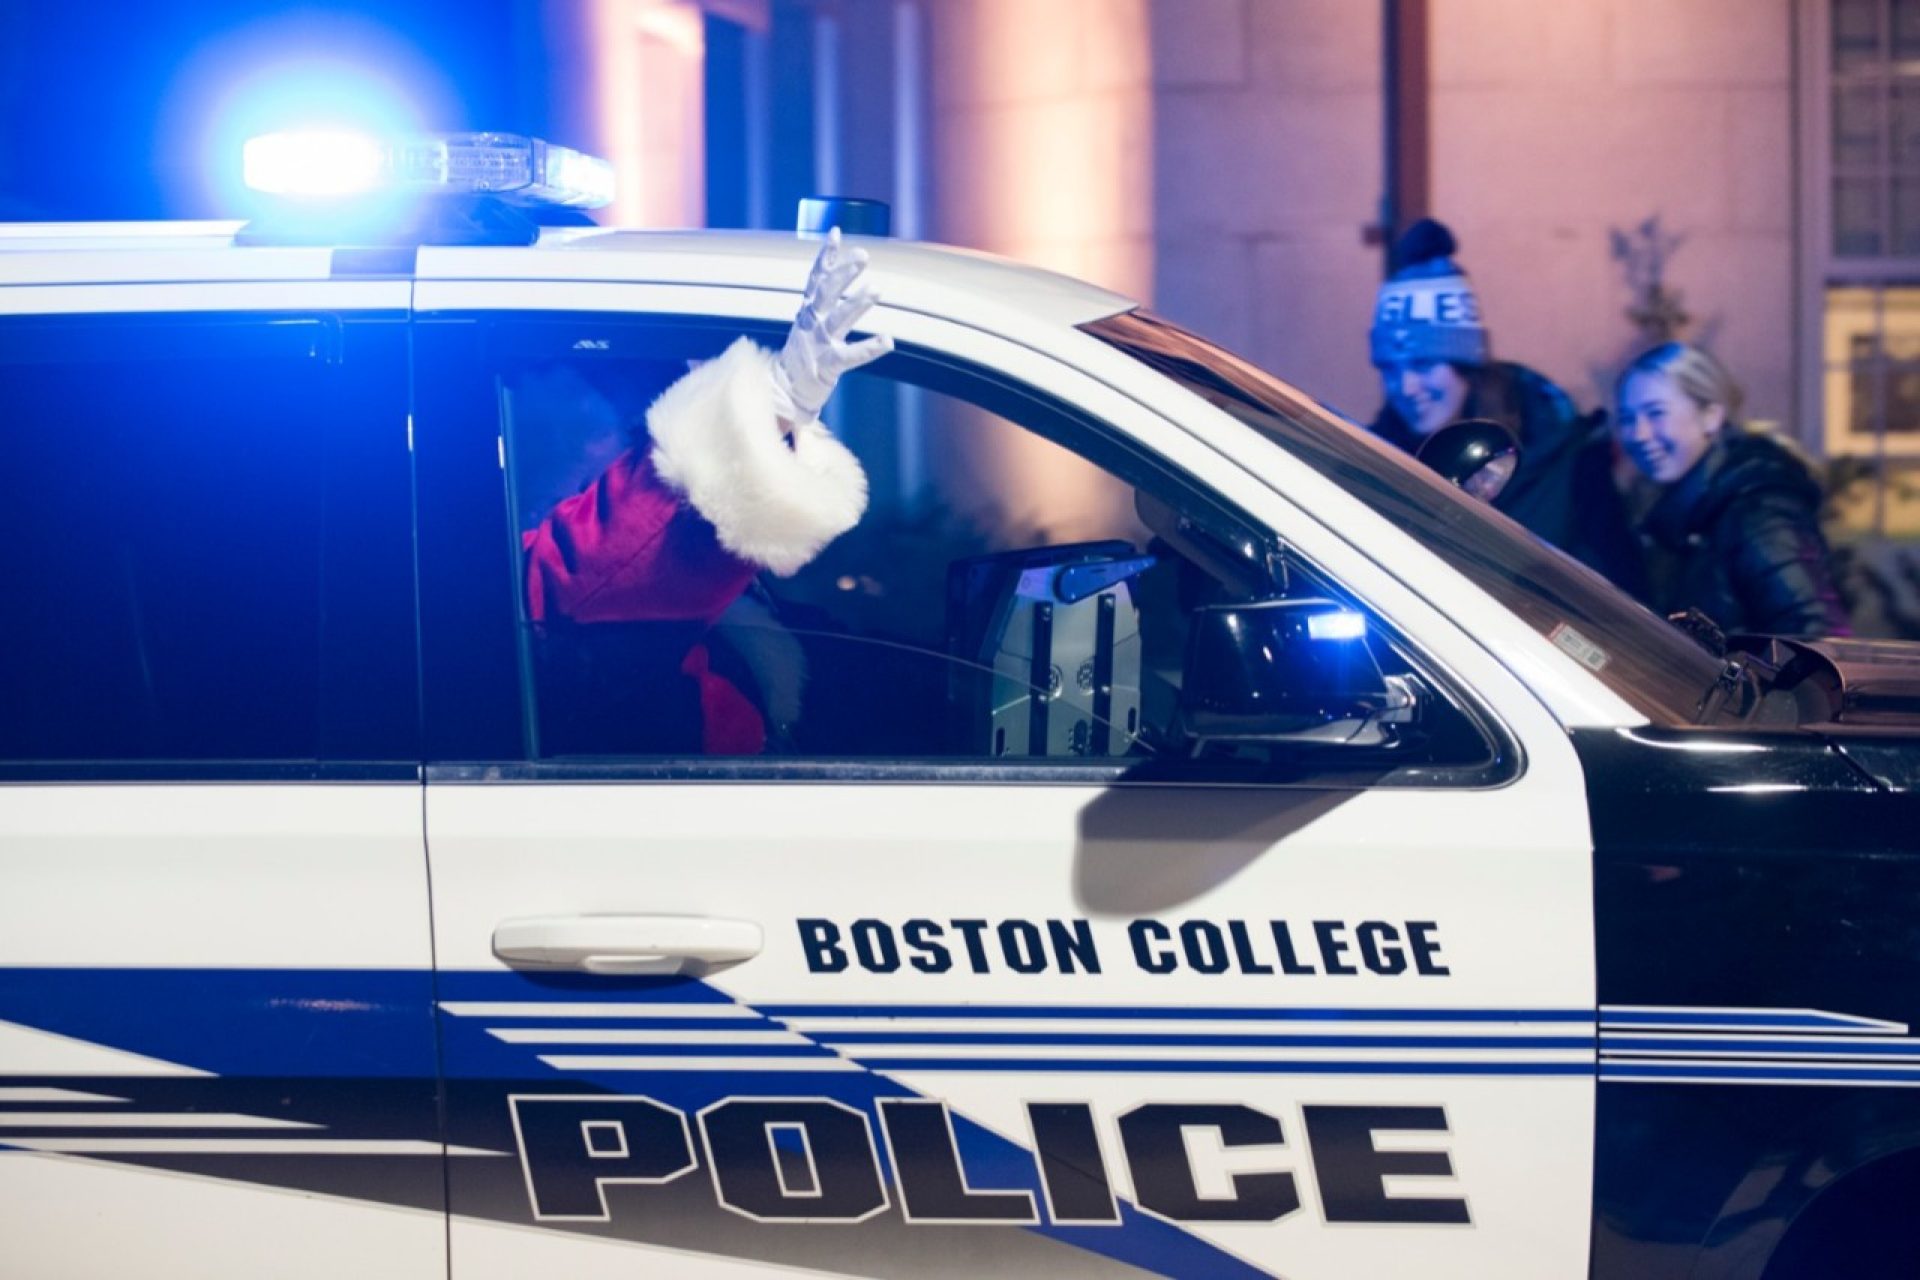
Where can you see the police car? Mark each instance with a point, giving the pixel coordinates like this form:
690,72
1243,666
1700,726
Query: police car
1182,836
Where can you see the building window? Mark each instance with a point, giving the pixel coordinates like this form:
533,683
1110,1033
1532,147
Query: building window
1860,134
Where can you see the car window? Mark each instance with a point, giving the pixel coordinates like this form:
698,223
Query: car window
1020,589
208,545
1647,662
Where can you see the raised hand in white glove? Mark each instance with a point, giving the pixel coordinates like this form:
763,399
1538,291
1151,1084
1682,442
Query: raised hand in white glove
817,351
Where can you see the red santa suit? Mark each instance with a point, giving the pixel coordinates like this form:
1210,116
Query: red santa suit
675,529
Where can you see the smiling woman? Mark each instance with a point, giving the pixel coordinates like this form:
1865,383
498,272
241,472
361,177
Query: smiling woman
1735,532
1674,401
1430,345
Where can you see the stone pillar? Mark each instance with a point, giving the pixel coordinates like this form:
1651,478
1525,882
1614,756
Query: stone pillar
624,79
1554,124
1268,128
1042,144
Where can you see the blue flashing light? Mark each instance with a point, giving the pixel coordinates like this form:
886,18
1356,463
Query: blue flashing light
1342,624
343,165
314,163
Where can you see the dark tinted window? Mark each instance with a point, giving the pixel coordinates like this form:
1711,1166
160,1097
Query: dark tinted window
207,532
1018,591
1651,665
909,636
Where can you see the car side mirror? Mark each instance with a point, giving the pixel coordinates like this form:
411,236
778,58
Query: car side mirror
1478,454
1288,669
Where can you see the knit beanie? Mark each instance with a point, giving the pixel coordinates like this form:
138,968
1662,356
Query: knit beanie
1427,309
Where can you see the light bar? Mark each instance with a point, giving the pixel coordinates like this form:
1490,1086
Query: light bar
516,169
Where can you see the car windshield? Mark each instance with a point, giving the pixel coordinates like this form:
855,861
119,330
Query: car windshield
1637,654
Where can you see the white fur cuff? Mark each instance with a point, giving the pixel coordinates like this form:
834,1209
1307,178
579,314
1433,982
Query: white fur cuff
717,440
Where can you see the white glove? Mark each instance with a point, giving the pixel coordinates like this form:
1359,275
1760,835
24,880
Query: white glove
817,350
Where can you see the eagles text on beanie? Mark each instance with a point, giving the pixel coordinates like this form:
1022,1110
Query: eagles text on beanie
1427,309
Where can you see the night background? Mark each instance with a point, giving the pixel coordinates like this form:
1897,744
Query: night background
1740,173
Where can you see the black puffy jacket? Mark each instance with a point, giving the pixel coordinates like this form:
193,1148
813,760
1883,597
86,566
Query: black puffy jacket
1563,489
1738,538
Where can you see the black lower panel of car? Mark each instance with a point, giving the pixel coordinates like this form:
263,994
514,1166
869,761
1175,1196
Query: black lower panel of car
1757,918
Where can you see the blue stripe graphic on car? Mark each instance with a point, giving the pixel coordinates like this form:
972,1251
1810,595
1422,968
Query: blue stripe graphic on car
1731,1046
1172,1012
1208,1040
1639,1016
1234,1066
991,1160
1783,1073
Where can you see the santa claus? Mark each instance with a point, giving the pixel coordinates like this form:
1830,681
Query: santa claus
737,474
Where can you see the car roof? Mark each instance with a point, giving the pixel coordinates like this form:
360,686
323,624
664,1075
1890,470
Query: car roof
915,275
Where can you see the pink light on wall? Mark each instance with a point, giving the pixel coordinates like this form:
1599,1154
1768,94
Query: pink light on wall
1042,150
1043,134
626,80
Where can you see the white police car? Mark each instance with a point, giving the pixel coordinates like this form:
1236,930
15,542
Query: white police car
1239,854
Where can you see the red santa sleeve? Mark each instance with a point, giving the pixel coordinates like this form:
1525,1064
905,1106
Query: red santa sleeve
677,532
627,549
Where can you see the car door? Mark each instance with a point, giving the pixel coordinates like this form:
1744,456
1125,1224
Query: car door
214,957
989,960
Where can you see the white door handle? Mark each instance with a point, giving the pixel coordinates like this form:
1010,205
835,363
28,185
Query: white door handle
627,944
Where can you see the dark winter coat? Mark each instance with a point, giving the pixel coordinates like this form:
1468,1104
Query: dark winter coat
1563,490
1738,538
